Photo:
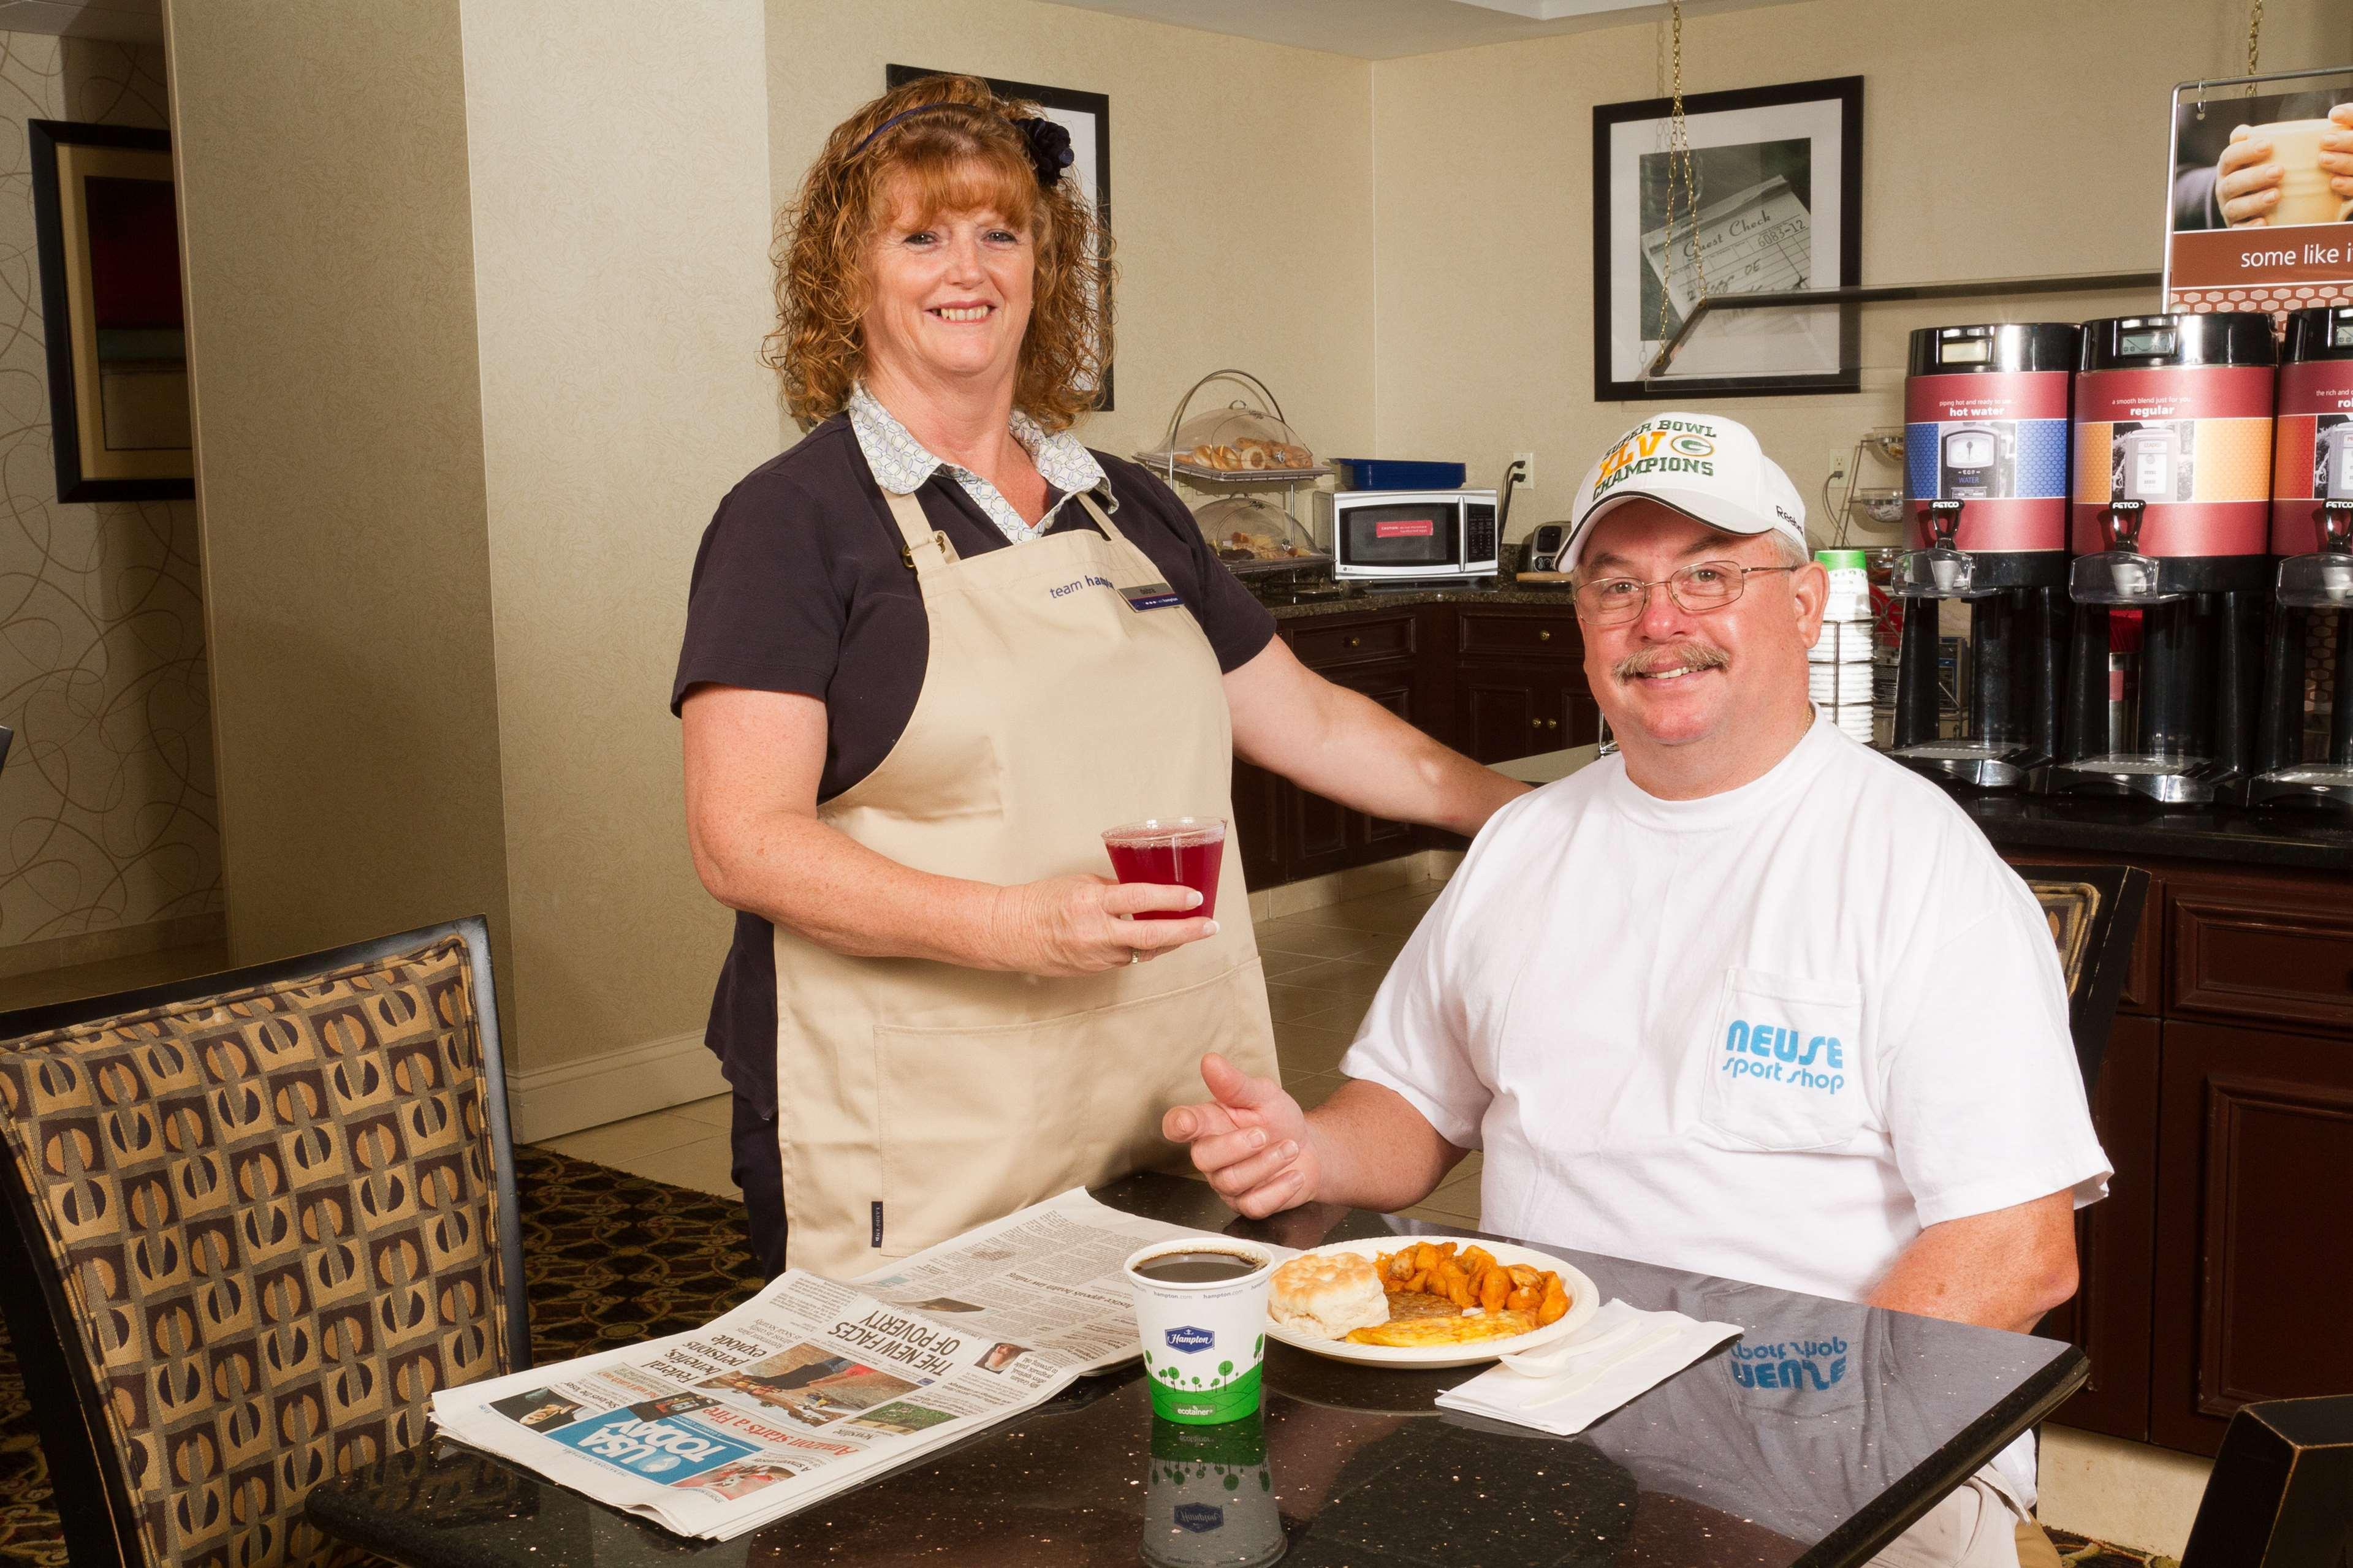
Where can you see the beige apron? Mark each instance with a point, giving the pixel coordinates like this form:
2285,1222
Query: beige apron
916,1099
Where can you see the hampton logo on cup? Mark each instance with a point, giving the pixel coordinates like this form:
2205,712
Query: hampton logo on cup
1781,1054
1191,1339
1200,1518
1661,447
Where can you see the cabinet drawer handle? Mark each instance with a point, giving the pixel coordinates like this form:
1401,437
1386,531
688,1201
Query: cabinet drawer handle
1355,642
1543,634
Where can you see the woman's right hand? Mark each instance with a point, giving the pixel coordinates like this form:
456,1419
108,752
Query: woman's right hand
1082,924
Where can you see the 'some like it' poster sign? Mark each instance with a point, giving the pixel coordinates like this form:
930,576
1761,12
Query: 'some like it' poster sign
2262,187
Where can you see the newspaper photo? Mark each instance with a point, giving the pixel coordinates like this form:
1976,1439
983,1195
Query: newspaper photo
814,1385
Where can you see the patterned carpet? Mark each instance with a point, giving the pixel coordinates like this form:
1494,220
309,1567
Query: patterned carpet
610,1260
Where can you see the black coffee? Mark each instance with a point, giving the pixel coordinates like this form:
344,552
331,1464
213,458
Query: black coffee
1195,1268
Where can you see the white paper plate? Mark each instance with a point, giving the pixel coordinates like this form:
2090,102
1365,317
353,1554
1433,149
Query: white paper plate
1584,1301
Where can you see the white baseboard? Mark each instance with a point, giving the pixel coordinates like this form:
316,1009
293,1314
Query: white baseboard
1360,881
551,1101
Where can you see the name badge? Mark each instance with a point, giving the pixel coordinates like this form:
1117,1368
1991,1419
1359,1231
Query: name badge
1151,596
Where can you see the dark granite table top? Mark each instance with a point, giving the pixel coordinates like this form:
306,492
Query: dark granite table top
1812,1440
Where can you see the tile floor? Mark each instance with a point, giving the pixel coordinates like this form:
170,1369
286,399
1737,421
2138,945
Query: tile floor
1322,967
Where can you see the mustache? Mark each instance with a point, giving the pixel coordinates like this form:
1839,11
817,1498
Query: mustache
1691,656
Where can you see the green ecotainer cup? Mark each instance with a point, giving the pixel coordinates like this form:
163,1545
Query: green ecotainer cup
1841,559
1203,1340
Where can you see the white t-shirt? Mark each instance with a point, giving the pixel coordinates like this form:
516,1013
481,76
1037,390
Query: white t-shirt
1769,1035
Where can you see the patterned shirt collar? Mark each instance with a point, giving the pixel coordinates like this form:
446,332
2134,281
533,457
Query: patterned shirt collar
901,464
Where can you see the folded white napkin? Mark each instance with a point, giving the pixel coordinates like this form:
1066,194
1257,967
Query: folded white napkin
1567,1386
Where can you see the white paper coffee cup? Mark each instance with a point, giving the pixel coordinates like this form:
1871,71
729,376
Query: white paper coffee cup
1203,1343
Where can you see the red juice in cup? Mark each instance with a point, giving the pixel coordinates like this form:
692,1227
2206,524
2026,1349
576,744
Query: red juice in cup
1171,851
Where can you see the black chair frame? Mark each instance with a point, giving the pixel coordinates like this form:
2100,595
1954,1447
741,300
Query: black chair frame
67,1404
2107,956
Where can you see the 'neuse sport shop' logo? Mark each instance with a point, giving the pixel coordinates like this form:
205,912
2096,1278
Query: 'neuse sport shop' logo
1782,1054
1661,446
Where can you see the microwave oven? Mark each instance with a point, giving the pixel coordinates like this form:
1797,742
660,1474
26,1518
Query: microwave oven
1407,535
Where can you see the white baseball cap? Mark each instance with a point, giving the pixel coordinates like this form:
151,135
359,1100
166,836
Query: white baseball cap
1708,468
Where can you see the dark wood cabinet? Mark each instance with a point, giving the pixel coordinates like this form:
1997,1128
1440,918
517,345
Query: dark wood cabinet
2218,1270
2273,949
1492,682
2253,1267
1519,682
1329,838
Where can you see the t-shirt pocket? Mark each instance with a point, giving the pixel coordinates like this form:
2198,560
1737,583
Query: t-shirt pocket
1784,1063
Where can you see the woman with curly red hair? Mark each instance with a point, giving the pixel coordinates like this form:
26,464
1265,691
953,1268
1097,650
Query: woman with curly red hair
932,651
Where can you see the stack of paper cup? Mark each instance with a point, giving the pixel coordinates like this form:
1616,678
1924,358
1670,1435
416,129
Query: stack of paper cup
1838,665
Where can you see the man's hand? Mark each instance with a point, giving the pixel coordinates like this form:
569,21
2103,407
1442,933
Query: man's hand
1250,1140
2246,184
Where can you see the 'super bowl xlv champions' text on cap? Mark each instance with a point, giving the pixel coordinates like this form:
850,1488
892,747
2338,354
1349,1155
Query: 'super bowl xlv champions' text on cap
1703,467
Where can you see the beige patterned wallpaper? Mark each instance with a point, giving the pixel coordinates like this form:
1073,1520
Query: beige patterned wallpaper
107,810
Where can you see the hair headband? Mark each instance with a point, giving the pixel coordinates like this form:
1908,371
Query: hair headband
1046,144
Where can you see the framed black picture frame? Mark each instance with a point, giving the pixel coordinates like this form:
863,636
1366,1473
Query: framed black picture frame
1085,115
1779,171
105,230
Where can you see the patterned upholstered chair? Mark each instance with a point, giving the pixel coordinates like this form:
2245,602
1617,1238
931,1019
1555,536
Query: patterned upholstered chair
255,1220
2094,913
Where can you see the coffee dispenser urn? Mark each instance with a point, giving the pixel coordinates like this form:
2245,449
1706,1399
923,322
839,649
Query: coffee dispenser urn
1985,479
2300,759
2171,530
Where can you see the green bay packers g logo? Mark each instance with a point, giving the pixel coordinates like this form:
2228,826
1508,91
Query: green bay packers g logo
1692,446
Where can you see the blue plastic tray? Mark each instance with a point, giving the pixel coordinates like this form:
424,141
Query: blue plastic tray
1399,474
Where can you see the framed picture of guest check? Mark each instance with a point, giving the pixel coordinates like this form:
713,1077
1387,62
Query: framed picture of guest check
1758,191
1085,115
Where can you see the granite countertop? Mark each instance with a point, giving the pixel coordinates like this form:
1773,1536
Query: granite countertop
1806,1443
1353,599
2283,837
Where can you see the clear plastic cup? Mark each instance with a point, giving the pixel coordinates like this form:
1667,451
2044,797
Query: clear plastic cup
1170,851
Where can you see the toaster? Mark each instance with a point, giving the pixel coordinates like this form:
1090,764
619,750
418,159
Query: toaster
1544,546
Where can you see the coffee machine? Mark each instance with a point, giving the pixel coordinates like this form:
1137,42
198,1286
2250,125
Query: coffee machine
2171,531
1985,479
2300,759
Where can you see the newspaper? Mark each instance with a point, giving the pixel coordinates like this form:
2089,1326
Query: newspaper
813,1387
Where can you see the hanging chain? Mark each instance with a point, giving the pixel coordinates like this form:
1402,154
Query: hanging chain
1681,175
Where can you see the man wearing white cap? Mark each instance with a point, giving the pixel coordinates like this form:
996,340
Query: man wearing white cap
1745,999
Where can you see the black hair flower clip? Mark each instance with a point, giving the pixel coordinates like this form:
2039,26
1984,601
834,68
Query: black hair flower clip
1049,149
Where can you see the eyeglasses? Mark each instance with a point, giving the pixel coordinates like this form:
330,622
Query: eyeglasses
1696,589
